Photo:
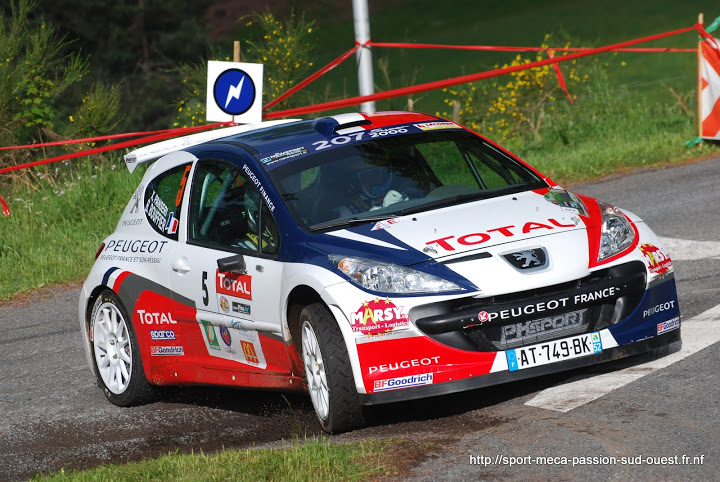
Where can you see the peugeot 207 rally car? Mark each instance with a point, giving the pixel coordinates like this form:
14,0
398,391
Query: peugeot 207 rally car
367,259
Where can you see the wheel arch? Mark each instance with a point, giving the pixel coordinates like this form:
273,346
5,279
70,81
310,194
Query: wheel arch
300,296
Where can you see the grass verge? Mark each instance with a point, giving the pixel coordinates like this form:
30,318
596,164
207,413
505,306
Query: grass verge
312,460
55,229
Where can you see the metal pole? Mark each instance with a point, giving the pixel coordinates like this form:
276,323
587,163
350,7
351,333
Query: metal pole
364,56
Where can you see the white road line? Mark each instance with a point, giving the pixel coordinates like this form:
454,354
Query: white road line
688,250
699,332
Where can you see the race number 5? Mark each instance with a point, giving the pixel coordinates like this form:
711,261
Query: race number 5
206,294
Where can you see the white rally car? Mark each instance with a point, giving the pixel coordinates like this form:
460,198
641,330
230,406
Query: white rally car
367,259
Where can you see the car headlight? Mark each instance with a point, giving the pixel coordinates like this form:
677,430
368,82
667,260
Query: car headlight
389,278
617,234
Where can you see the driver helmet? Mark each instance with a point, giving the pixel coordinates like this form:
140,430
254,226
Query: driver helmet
375,181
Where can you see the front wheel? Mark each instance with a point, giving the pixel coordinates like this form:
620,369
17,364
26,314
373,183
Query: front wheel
328,371
116,354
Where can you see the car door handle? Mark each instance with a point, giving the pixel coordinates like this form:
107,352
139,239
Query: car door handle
181,266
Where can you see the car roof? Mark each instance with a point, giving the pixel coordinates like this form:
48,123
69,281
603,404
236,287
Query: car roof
268,138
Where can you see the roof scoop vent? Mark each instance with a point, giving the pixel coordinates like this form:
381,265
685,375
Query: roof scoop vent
330,126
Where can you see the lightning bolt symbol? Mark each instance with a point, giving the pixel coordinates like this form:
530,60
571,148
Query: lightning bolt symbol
234,92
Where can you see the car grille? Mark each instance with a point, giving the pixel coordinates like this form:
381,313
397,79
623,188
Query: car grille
524,318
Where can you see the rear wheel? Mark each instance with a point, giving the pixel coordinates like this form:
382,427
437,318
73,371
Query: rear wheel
116,354
328,371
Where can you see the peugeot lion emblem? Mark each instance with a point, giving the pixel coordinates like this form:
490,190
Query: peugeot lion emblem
528,259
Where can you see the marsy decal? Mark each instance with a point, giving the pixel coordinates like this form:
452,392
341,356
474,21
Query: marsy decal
377,317
657,261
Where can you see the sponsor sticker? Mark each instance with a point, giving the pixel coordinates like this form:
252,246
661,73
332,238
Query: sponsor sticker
569,201
384,224
669,325
376,317
404,364
224,304
433,126
225,335
150,318
234,284
659,308
656,260
167,351
240,308
249,351
210,335
156,335
451,243
402,382
284,155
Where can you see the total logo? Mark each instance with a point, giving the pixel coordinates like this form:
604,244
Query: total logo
449,243
148,318
377,317
657,261
234,284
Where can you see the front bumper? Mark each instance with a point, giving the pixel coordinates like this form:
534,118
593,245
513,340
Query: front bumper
662,345
635,318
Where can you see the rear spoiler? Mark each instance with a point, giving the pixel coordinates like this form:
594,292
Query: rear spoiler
155,151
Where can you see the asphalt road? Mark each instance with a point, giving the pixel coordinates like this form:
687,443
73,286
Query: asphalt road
54,416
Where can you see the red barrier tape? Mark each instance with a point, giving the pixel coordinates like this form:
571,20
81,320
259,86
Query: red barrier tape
119,145
312,78
561,79
5,207
464,78
90,139
495,48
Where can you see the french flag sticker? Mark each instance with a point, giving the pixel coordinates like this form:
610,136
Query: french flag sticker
172,224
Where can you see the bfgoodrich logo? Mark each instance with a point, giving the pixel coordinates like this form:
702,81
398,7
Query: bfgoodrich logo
167,351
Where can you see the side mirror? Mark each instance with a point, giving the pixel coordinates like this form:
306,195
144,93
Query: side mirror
233,263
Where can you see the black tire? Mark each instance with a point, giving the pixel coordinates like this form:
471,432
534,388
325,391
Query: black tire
328,371
116,354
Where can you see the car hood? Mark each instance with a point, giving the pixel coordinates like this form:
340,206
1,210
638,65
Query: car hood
473,239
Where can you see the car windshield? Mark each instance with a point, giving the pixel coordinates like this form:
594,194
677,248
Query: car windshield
397,175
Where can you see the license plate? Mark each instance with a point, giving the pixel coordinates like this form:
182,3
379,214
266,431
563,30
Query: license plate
554,351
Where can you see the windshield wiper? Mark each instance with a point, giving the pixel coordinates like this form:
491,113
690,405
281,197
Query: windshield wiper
350,221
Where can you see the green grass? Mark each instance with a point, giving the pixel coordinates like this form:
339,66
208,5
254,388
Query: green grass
522,23
313,460
54,231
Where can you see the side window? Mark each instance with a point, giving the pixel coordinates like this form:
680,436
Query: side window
163,199
227,212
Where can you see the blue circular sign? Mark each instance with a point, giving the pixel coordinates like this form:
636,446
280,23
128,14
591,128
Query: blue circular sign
234,92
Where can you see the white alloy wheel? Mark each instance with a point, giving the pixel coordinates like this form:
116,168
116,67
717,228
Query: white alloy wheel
315,371
328,371
112,347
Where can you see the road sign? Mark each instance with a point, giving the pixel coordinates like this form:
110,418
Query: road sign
234,92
